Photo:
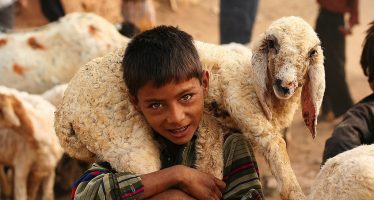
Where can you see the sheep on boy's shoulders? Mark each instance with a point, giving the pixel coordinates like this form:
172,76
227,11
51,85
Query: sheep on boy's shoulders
258,96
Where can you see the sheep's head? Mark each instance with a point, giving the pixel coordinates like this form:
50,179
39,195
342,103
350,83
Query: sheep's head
8,116
286,57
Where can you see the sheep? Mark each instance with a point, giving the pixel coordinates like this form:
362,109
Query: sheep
346,176
68,169
55,94
28,142
258,96
5,188
36,60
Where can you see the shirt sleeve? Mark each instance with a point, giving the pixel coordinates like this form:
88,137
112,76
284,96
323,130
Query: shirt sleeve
355,129
240,171
101,182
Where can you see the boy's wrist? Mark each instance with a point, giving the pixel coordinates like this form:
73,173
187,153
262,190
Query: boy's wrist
179,173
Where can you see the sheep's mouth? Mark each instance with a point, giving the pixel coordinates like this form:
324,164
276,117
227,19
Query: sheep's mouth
283,92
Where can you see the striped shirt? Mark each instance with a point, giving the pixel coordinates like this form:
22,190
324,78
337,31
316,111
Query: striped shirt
240,173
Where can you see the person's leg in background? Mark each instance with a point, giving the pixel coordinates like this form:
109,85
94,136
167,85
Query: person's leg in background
337,96
236,20
141,13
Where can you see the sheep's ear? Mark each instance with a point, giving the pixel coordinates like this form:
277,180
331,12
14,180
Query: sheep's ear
259,70
9,113
312,95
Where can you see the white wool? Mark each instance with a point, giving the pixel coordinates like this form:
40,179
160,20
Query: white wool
55,94
349,175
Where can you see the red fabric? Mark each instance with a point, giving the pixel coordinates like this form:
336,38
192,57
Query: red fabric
342,6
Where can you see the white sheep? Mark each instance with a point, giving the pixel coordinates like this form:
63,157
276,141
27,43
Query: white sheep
5,182
346,176
259,96
36,60
55,94
28,142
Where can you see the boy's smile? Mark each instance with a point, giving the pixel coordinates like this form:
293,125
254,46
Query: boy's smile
175,109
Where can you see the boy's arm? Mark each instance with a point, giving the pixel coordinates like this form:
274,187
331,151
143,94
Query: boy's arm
172,194
99,182
191,181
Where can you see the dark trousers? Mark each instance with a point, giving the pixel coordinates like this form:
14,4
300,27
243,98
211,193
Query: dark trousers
337,97
52,9
236,20
7,16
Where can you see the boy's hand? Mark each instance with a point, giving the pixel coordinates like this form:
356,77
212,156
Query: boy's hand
345,30
172,194
201,185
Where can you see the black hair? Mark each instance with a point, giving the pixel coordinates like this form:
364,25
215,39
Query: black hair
367,56
160,55
128,29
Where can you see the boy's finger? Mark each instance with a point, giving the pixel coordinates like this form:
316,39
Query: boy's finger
220,184
217,194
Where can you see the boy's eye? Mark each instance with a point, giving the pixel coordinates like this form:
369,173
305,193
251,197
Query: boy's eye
186,97
155,105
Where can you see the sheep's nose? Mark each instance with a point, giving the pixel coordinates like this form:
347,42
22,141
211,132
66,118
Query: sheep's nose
284,90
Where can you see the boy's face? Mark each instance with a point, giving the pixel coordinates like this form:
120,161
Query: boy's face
175,109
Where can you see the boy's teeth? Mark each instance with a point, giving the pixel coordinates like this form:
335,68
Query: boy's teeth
179,129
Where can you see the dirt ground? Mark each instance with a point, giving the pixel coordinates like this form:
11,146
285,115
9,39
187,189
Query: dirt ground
201,20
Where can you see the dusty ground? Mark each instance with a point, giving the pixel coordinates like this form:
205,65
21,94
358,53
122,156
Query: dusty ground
201,20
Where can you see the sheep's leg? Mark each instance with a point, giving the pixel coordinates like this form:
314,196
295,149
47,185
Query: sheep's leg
2,181
47,186
20,182
275,152
266,138
4,184
34,182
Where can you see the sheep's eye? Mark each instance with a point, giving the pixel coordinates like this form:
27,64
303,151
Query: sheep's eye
312,53
271,44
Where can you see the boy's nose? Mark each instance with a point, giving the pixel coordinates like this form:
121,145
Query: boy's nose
176,114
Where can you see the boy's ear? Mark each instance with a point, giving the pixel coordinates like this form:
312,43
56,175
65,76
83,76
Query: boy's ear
133,101
372,85
205,80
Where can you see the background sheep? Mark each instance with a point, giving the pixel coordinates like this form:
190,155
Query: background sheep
5,184
55,94
346,176
36,60
68,169
258,96
28,143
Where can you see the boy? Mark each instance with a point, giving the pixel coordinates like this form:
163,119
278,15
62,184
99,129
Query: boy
357,126
167,85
